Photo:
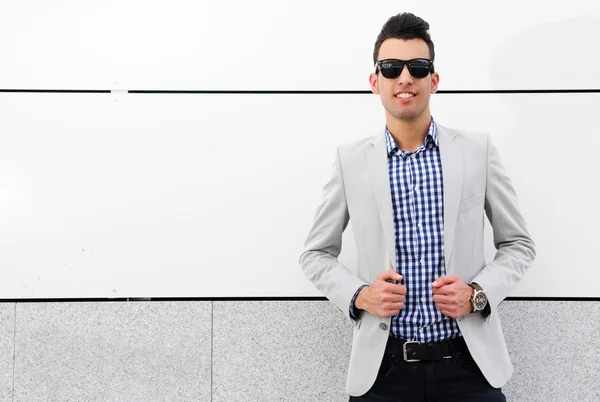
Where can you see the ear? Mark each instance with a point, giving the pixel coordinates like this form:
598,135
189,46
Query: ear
373,82
435,81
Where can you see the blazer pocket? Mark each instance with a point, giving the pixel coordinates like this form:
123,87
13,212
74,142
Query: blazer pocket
471,202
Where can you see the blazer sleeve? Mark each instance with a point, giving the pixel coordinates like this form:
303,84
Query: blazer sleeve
515,250
319,261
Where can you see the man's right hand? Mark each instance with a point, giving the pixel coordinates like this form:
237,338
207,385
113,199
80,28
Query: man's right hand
382,298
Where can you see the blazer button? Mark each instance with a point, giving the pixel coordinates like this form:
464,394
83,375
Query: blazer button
383,326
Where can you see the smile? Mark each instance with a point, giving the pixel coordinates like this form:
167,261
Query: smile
405,95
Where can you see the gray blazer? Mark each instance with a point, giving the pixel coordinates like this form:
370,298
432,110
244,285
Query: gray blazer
474,181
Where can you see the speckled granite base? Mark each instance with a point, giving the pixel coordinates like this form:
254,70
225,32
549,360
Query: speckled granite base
262,351
280,351
298,351
7,336
141,351
555,348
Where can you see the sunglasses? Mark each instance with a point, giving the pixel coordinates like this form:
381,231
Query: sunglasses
392,68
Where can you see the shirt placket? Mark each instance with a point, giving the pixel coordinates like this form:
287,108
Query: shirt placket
417,230
417,258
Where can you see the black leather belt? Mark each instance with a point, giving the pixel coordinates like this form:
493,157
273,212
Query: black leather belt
411,351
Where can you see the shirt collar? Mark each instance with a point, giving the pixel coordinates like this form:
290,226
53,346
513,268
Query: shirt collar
431,136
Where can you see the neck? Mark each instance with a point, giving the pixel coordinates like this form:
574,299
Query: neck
409,134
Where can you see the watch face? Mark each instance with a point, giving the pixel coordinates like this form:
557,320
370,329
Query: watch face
480,300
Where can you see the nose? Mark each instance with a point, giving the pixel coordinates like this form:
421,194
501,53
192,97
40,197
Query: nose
405,78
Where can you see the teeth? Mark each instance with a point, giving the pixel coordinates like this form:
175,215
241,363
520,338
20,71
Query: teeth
404,95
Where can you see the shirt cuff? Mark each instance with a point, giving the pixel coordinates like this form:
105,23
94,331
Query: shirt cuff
355,313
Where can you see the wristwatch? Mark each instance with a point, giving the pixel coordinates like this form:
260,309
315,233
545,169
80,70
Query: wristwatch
479,299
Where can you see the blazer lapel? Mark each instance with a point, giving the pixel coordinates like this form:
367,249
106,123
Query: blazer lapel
452,172
377,162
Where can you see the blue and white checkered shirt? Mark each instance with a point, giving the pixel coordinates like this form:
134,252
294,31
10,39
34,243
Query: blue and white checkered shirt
418,201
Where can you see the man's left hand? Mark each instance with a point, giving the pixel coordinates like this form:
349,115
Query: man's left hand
452,296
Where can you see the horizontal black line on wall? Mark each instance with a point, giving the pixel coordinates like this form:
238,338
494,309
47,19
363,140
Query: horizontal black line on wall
59,91
299,92
356,92
186,299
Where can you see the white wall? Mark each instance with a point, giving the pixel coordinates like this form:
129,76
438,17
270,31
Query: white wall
128,195
273,44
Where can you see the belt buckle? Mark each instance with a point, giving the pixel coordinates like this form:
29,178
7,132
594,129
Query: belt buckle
406,359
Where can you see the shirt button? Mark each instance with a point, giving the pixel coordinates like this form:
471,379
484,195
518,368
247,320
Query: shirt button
421,330
423,299
383,326
422,261
413,156
419,225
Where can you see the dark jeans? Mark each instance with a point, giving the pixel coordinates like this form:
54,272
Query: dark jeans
456,379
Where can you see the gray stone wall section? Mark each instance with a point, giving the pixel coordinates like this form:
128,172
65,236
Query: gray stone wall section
7,336
136,351
298,351
280,351
555,348
261,351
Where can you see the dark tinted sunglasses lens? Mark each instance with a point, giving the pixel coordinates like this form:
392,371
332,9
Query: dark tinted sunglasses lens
418,69
389,71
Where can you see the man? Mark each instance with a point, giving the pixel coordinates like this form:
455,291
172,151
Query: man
423,301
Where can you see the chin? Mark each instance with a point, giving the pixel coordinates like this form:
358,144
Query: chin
406,115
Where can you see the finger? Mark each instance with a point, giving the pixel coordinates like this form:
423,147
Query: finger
449,312
452,309
392,298
448,290
441,290
448,301
441,299
390,274
384,312
445,307
444,280
397,289
393,306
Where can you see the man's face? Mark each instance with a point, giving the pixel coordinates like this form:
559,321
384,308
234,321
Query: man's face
389,90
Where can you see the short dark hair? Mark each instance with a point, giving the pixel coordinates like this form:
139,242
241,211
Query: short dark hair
404,26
